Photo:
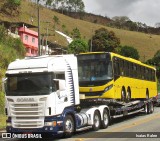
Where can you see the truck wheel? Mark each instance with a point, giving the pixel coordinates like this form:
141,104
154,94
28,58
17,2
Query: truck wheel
96,121
146,108
151,108
68,126
105,121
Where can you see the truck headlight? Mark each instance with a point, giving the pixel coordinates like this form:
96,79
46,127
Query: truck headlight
8,124
108,88
53,123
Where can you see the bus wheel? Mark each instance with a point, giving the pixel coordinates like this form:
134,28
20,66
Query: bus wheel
123,95
128,95
68,126
96,121
105,121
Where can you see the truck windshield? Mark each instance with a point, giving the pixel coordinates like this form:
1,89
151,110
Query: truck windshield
94,69
29,84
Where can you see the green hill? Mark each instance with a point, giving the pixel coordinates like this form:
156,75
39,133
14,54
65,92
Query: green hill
146,44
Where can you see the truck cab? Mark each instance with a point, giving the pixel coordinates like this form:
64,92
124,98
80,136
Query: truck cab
40,91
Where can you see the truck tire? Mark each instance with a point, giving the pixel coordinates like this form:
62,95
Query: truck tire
151,108
105,121
96,121
68,126
146,108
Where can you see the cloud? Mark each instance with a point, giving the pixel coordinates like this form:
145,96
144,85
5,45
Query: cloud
145,11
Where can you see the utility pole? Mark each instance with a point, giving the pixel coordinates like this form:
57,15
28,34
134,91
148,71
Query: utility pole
39,39
91,48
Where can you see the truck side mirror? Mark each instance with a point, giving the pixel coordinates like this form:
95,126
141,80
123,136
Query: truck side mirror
62,85
56,84
4,80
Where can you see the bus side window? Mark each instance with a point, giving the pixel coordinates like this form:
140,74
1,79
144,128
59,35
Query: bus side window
146,74
116,66
127,68
131,69
138,72
134,71
153,75
122,67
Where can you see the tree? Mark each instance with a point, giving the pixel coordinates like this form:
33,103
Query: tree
104,40
120,20
156,60
129,51
76,33
157,25
56,21
67,5
78,46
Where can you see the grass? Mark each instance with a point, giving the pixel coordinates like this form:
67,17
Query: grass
145,44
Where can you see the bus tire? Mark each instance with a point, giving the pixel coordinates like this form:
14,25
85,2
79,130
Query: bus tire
123,95
105,121
128,95
68,126
96,121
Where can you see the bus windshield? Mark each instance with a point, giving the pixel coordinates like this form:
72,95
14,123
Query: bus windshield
29,84
94,70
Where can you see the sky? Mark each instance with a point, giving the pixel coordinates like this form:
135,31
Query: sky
144,11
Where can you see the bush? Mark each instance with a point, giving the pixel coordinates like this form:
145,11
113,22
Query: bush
78,46
2,103
10,49
129,51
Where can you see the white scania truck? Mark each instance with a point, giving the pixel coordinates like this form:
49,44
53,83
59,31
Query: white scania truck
42,96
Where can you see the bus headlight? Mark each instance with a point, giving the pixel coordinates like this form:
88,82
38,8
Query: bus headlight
53,123
108,88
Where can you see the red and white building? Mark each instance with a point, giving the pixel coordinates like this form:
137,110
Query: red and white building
30,40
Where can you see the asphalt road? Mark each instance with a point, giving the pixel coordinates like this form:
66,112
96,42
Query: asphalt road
139,127
130,128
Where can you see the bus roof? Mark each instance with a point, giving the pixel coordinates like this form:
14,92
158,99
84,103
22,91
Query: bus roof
120,56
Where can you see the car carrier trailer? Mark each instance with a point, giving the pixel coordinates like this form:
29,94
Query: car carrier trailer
42,96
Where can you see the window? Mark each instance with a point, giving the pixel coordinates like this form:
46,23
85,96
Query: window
26,37
126,68
116,66
33,40
32,51
131,70
60,76
122,67
153,75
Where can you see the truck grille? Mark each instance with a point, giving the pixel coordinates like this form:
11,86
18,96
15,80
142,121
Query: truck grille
27,115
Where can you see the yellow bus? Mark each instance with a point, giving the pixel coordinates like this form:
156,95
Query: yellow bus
112,76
